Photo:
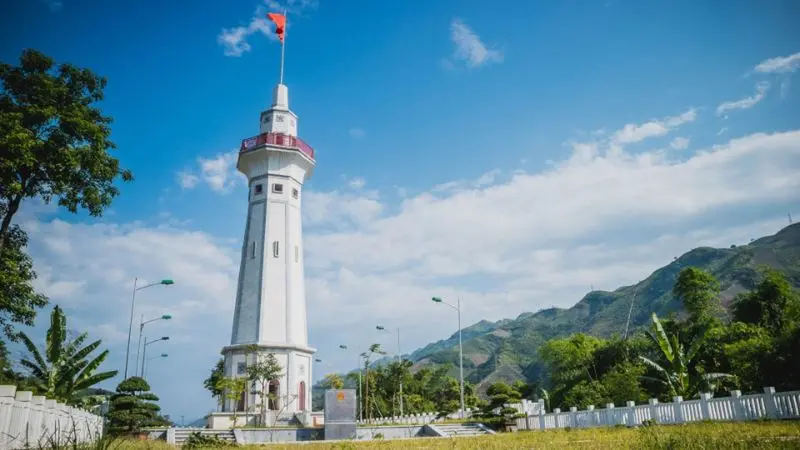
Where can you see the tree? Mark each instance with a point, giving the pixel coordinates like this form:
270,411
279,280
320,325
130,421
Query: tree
675,365
211,383
64,370
772,305
263,372
332,381
54,140
18,299
232,387
698,290
501,396
133,407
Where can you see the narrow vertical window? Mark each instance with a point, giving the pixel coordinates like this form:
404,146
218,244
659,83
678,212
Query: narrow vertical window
275,249
253,250
259,189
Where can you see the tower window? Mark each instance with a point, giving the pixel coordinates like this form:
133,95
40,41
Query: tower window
259,189
295,193
253,250
277,188
279,119
241,368
275,249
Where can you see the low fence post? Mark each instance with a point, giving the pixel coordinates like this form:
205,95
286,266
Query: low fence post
557,413
631,413
769,402
611,416
678,407
527,422
573,417
704,410
738,408
653,409
590,421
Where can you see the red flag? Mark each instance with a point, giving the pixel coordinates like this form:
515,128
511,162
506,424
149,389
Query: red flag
280,24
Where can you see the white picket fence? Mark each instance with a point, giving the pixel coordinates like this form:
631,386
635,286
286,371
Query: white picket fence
526,407
413,419
27,420
769,405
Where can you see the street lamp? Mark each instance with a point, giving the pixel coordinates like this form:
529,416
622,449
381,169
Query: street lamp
144,353
399,361
145,366
457,307
360,387
142,323
165,282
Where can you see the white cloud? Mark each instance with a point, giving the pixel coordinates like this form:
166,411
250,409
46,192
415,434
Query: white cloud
357,183
679,143
748,102
187,180
780,64
632,133
357,133
470,50
234,40
218,173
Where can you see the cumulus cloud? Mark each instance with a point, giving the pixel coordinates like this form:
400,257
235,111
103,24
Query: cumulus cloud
746,103
234,40
679,143
218,173
632,133
469,48
780,64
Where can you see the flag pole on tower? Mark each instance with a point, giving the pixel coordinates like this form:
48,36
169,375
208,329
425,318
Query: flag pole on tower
280,31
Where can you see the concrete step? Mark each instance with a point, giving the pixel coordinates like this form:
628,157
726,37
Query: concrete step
460,429
182,434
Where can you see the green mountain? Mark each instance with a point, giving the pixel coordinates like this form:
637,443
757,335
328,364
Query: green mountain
507,350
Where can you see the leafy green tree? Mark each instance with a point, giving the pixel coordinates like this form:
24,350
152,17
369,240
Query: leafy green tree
675,368
18,299
698,290
232,387
54,140
262,372
133,407
622,384
772,305
210,383
65,368
332,381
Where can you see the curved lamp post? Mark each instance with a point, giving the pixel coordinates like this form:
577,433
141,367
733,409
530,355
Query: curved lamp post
360,387
142,323
399,360
163,355
457,307
165,282
144,352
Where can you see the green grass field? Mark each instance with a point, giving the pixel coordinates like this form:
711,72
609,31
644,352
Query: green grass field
750,436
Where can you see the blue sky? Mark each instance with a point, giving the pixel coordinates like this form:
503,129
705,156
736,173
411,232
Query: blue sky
513,156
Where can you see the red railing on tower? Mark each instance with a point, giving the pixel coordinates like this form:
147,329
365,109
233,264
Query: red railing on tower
281,140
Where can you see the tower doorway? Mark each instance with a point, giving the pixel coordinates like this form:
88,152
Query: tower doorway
302,396
274,395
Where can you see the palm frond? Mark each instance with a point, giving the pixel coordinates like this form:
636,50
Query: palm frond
662,340
56,335
29,345
92,366
94,379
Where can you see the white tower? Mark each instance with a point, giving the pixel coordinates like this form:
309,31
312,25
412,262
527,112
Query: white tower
270,312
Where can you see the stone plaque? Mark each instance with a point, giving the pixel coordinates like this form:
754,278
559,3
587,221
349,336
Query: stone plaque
340,414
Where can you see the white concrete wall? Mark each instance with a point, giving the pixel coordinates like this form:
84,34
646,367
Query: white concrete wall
414,419
32,421
769,405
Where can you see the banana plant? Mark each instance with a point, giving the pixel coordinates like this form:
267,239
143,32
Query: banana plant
64,370
675,365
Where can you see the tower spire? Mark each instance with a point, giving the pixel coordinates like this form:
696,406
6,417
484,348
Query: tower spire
283,45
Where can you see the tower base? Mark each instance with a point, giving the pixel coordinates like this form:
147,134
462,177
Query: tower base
289,394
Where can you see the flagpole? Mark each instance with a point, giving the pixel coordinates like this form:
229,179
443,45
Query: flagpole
283,45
